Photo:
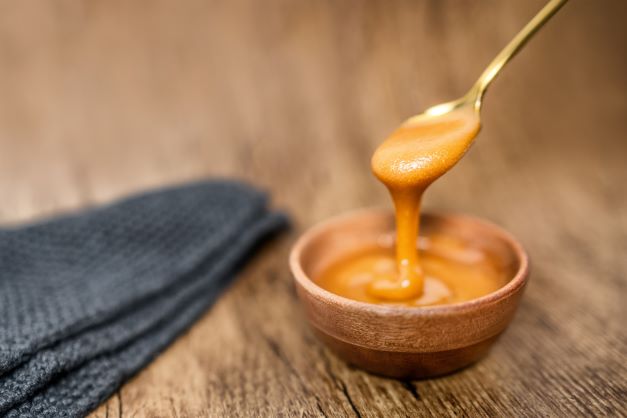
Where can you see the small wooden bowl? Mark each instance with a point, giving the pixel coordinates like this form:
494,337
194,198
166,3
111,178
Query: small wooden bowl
405,342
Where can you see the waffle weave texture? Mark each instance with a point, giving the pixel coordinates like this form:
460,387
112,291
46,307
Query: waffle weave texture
87,300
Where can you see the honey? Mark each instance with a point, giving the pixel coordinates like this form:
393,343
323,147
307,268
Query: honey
453,272
443,271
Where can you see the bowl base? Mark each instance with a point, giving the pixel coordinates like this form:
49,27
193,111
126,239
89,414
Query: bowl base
404,365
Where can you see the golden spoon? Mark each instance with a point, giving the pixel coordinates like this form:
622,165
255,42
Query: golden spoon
421,150
475,94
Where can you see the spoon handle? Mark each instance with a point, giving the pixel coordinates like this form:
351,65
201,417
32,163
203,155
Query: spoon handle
512,48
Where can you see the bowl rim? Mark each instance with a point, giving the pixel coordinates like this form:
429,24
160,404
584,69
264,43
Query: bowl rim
514,285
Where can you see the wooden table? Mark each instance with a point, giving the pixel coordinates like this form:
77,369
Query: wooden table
99,99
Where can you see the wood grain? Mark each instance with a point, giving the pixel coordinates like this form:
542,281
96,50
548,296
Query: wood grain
102,98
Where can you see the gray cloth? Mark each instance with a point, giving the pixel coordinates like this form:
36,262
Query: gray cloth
86,300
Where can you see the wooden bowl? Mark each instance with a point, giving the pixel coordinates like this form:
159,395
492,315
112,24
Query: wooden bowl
406,342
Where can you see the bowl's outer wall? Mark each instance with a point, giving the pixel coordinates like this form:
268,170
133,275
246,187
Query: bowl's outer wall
400,332
405,342
402,365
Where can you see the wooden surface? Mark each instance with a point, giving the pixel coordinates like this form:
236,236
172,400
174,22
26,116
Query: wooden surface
102,98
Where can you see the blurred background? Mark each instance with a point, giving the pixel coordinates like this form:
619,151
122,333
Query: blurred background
99,99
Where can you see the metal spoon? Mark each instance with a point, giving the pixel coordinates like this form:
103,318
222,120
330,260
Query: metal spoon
425,147
475,95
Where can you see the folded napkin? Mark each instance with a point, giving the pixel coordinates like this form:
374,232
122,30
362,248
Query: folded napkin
86,300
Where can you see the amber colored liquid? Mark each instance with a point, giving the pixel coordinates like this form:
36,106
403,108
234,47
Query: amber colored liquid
452,271
407,162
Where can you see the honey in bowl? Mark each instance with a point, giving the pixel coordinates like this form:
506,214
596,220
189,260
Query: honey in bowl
443,270
453,272
414,338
